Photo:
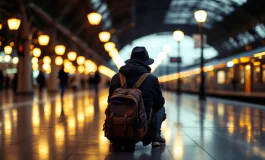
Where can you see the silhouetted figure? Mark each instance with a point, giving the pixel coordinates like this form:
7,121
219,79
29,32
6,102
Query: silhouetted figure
63,77
234,84
14,82
96,81
7,82
41,81
1,79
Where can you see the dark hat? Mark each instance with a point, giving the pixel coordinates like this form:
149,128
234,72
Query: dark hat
140,53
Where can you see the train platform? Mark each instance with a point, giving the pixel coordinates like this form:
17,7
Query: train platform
50,128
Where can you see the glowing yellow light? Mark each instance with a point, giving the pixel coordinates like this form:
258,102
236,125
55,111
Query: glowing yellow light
36,52
200,16
72,70
109,46
46,66
256,63
8,50
104,36
81,69
71,56
34,60
235,61
13,23
58,60
80,60
90,66
7,58
106,71
247,67
113,53
94,18
12,44
47,60
43,40
1,26
60,49
259,54
178,36
35,67
244,59
15,60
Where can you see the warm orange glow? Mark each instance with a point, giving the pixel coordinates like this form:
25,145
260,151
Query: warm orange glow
256,63
60,49
80,60
104,36
13,23
259,54
244,59
235,61
47,60
43,40
94,18
58,60
36,52
109,46
72,56
8,49
106,71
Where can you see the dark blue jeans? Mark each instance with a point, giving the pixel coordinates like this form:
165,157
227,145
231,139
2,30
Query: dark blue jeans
158,119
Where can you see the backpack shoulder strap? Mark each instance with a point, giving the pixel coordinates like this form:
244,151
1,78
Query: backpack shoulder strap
141,80
123,81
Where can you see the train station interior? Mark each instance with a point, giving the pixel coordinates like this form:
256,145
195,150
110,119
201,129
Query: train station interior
57,59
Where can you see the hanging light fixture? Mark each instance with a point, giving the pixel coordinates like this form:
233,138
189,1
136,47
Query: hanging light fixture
73,70
109,46
15,60
36,52
46,60
81,69
71,56
80,60
178,35
35,66
113,53
104,36
34,60
8,50
43,40
200,16
46,66
59,50
94,18
7,58
13,23
58,60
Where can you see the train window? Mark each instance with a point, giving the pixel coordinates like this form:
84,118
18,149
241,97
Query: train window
242,74
256,74
221,77
263,73
230,75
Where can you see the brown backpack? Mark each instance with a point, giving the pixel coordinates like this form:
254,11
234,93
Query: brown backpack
126,119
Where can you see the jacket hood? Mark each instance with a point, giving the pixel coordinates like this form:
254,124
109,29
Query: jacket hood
134,67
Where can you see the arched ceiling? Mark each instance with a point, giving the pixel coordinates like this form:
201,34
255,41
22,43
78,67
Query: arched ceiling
232,25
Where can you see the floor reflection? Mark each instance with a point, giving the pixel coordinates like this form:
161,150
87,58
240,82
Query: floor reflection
71,128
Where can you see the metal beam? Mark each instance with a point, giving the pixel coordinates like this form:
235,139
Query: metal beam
94,55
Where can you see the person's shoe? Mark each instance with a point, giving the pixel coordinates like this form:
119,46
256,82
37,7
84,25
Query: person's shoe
158,141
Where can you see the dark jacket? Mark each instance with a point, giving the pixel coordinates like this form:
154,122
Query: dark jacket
151,91
41,79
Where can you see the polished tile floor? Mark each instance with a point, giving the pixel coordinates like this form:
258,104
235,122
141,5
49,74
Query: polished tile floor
51,128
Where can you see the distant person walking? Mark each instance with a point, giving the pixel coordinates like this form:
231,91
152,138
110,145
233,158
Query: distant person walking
63,77
41,81
96,81
14,83
7,82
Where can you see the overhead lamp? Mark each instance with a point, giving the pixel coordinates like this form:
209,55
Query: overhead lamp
71,56
94,18
113,53
109,46
36,52
8,50
1,26
46,66
11,44
7,58
43,40
15,60
58,60
34,60
35,66
46,60
72,70
104,36
60,49
178,35
81,69
200,16
13,23
80,60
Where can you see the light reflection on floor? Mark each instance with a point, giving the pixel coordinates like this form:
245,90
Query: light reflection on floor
72,129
